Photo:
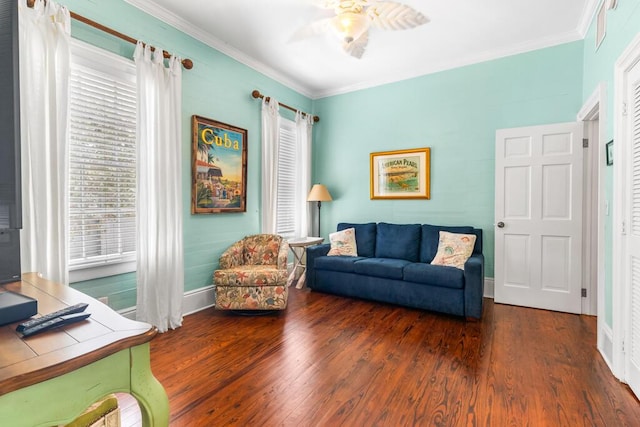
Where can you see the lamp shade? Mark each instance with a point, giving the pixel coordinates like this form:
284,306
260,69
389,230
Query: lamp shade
319,193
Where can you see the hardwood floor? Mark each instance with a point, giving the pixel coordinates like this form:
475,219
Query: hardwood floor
331,360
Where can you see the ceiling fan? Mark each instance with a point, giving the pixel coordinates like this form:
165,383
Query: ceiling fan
354,18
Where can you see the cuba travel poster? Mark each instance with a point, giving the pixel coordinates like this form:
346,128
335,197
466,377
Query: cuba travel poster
219,167
401,174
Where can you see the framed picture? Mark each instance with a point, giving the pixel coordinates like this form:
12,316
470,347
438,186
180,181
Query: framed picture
218,167
609,153
401,174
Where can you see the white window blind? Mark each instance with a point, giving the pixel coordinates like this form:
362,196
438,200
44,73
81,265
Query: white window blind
102,162
285,222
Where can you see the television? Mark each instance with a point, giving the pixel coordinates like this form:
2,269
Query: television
10,183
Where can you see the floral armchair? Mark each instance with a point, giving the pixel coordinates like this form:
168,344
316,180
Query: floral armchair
253,274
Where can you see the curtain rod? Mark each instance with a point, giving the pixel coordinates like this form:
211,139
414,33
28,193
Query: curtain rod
186,63
256,94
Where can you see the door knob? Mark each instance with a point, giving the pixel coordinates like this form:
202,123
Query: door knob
500,224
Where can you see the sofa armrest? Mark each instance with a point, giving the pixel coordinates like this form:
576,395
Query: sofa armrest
474,286
314,252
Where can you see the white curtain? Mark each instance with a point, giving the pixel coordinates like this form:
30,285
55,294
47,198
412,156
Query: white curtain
44,99
270,141
160,260
304,130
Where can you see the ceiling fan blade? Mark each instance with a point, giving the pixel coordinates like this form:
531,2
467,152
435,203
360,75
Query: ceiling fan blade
357,47
315,28
388,15
325,4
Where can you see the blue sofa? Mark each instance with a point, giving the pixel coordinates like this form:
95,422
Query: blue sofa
393,266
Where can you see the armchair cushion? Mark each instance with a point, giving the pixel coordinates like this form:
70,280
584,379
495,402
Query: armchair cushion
262,249
250,275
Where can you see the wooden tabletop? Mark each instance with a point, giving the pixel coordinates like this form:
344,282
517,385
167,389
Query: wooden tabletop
302,242
27,361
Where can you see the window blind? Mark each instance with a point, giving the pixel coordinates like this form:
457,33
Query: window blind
102,161
285,221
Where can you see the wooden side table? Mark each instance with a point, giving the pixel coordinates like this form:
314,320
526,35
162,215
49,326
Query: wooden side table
52,377
301,243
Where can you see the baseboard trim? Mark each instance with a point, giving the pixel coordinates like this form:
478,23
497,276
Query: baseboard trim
605,345
489,286
192,302
198,299
129,313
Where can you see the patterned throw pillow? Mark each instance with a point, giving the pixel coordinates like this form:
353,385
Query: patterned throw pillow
343,243
454,249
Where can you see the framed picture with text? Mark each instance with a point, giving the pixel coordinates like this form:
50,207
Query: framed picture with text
218,168
401,174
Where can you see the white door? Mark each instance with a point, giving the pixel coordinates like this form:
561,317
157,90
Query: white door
538,217
632,294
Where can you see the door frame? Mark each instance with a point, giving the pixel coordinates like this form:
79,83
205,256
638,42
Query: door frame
620,285
595,109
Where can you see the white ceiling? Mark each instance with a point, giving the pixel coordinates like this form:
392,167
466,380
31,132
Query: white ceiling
258,32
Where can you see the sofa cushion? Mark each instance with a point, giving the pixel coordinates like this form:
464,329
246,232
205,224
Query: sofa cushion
454,249
336,263
434,275
381,267
343,243
398,241
431,237
365,237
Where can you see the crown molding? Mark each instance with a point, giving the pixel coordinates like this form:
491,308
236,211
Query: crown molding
589,11
485,56
168,17
164,15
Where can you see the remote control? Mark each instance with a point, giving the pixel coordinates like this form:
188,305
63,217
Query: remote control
55,323
77,308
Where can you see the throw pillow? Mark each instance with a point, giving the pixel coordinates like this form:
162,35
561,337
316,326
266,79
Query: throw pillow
454,249
343,243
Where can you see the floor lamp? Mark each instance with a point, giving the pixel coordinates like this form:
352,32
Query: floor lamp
319,193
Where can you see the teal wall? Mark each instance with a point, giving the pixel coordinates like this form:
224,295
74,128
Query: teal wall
217,87
623,24
456,113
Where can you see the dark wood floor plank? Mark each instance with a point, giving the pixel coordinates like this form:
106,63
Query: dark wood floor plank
330,360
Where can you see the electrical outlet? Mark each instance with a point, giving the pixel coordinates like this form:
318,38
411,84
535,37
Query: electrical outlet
104,300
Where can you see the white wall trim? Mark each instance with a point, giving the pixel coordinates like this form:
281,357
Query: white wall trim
192,302
489,287
605,345
590,109
129,313
595,109
198,33
476,58
589,12
620,280
202,35
198,299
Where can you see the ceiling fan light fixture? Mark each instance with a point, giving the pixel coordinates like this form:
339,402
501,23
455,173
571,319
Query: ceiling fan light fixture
350,26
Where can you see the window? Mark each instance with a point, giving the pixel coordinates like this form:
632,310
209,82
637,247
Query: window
102,163
286,209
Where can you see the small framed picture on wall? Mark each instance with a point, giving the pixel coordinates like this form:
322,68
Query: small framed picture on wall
609,148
